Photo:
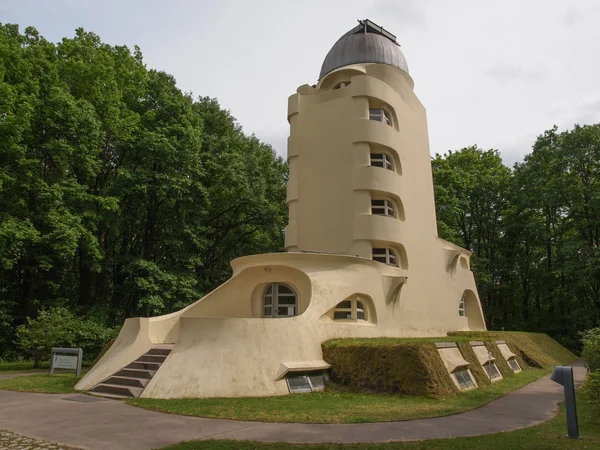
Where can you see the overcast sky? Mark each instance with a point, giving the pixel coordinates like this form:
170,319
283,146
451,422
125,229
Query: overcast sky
496,74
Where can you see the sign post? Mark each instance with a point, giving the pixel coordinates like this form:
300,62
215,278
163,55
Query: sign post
564,375
61,361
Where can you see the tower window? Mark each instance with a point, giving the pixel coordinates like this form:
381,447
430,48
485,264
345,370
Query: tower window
386,256
279,300
382,160
380,115
383,208
462,311
349,310
341,85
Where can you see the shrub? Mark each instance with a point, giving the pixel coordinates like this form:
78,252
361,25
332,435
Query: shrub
592,385
591,348
59,327
409,369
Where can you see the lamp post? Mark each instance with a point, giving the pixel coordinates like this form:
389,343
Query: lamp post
564,375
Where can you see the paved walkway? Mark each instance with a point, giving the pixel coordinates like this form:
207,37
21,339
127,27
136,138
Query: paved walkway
89,422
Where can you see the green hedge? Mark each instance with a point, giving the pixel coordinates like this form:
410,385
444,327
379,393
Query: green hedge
413,366
410,369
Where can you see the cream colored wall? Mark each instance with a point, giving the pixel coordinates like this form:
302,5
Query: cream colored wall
239,353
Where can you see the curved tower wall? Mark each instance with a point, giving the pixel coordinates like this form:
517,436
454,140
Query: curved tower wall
331,178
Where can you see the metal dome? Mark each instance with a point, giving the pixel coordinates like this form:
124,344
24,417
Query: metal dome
366,43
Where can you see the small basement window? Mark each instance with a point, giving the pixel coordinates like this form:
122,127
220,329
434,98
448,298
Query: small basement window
341,85
463,378
383,208
382,160
492,371
380,115
279,300
386,256
461,307
302,382
514,365
350,310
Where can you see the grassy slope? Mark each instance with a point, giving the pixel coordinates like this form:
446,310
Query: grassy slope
550,436
59,383
14,367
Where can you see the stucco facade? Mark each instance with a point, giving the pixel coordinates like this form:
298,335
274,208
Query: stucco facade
360,191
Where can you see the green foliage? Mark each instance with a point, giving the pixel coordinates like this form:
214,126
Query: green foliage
591,348
120,195
59,327
592,386
534,231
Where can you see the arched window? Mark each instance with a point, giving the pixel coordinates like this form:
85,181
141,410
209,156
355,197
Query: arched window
383,207
382,160
380,115
350,310
279,300
462,311
386,255
341,85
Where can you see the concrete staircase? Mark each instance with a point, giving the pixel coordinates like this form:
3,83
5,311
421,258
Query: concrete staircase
131,380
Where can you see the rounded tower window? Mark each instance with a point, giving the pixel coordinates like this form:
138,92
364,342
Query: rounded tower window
341,85
280,300
386,256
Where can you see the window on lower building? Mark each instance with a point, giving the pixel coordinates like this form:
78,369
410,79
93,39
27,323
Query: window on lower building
383,208
350,310
301,382
386,256
279,300
341,85
462,311
382,160
380,115
463,378
514,365
492,371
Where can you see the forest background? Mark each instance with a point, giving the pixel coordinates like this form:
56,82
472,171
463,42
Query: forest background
122,196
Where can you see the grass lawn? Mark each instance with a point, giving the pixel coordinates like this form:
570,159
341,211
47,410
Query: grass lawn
59,383
548,436
27,366
337,407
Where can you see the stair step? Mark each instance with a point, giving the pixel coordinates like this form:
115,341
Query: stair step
133,378
127,381
164,346
159,351
135,373
106,388
151,358
149,366
102,394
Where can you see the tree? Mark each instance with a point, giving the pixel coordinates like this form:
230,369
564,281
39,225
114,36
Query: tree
119,194
471,188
